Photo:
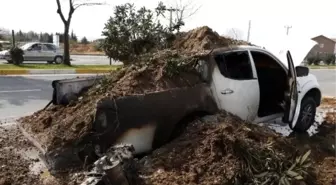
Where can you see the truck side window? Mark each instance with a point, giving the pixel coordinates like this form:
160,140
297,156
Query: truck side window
235,65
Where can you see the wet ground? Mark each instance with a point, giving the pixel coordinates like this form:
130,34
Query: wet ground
23,95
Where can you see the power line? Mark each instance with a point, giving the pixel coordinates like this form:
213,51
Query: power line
287,29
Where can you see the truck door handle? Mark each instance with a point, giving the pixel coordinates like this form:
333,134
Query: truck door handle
227,91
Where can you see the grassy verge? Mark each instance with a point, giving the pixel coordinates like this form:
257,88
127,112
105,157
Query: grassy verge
322,67
55,66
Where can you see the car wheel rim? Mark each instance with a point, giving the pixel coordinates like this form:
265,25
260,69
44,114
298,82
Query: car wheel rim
58,60
307,115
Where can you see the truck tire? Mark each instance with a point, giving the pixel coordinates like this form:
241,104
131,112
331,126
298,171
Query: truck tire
58,60
307,115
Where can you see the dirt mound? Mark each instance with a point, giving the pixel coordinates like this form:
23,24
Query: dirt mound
328,102
229,151
152,73
202,38
14,167
60,124
85,49
226,151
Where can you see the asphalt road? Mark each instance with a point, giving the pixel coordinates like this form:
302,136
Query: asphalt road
82,60
23,95
327,81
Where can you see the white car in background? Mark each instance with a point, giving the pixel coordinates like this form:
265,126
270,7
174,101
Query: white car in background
38,51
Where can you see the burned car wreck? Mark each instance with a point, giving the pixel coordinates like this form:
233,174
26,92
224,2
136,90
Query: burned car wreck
246,81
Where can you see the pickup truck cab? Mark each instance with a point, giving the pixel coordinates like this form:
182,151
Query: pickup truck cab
257,86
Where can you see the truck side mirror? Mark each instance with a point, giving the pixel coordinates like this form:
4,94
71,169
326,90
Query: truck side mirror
301,71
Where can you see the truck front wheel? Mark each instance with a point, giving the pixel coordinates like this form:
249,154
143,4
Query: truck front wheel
307,115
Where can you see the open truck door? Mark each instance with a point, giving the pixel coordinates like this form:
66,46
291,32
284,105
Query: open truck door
292,108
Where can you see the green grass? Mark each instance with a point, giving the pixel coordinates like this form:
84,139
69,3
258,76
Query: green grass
322,66
55,66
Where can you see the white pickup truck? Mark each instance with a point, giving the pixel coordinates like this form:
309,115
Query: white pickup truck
259,86
247,81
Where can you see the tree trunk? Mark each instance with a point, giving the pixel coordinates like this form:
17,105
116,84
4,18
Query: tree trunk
66,57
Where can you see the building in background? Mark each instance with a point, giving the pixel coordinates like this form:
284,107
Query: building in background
325,46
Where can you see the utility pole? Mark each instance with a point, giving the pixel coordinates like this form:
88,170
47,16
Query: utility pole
287,29
171,10
248,31
13,38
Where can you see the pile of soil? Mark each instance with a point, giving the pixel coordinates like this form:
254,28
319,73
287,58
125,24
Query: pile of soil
328,102
14,167
229,151
78,49
203,38
222,149
154,72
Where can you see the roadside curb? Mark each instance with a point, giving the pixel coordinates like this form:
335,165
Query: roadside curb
53,71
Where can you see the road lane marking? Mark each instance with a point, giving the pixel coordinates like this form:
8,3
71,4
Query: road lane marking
22,90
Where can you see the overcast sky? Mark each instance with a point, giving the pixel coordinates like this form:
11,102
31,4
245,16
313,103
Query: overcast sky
308,18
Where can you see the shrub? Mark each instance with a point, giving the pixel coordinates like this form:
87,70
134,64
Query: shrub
314,59
330,59
84,41
16,54
132,32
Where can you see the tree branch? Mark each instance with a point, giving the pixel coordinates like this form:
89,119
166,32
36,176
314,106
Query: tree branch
59,11
185,10
71,11
87,4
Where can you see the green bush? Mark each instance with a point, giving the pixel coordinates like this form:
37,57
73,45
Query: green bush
84,41
16,54
330,59
314,59
132,32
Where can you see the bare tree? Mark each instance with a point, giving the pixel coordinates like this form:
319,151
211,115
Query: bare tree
235,33
73,6
183,10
